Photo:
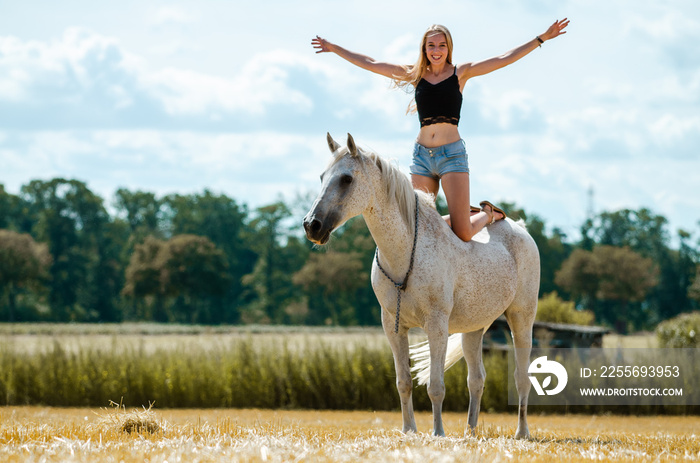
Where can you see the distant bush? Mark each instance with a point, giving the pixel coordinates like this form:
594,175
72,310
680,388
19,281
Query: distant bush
551,308
681,331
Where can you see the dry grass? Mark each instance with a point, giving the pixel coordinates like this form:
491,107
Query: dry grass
84,435
635,341
38,337
149,338
132,421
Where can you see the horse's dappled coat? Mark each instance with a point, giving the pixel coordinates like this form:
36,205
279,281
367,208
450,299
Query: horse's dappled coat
455,286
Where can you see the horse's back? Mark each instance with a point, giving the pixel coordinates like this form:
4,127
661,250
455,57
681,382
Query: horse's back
498,269
527,258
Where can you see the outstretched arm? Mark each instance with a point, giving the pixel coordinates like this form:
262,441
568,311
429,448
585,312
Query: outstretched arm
480,68
391,71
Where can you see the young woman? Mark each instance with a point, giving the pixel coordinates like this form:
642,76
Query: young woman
440,155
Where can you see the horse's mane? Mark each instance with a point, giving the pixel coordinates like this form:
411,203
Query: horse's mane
397,185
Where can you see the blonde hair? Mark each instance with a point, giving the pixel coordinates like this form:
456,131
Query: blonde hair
414,73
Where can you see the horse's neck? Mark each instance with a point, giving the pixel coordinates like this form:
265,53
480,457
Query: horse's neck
392,236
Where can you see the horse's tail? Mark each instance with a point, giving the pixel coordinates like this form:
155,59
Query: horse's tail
420,354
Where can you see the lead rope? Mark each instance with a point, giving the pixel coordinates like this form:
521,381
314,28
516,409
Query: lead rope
401,286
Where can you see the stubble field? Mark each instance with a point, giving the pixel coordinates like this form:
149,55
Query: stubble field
35,434
182,363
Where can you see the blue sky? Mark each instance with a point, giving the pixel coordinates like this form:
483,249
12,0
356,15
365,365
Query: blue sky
180,96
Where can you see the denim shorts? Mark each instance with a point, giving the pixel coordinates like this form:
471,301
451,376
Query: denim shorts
436,162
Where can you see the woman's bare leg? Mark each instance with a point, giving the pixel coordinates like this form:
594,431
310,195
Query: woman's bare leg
456,188
427,184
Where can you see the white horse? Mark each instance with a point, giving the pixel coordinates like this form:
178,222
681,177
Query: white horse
454,286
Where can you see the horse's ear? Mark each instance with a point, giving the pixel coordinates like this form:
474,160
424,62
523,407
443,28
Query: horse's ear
351,146
332,144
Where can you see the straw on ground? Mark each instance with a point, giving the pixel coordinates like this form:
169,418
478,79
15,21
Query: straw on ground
85,435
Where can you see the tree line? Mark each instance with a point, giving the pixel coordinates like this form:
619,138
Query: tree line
67,256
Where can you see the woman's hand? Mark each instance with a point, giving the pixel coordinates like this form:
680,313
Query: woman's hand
321,45
555,30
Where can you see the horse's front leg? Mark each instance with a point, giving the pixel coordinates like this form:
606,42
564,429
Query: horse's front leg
402,364
437,330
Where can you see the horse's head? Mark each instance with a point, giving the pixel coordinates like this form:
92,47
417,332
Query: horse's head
344,192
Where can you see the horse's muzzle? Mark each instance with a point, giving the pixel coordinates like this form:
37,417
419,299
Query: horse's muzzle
316,231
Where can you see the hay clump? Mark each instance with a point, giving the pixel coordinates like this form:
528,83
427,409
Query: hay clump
143,421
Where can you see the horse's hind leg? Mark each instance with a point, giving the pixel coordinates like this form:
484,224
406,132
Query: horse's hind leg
472,349
520,323
404,382
437,332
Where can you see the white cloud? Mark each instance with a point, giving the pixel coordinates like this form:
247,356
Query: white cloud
508,108
403,49
671,25
173,99
389,104
42,73
172,15
670,129
253,167
261,83
85,68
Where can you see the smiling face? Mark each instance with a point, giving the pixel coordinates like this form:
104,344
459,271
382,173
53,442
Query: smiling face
436,49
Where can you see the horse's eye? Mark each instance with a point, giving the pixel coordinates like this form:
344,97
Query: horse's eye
346,180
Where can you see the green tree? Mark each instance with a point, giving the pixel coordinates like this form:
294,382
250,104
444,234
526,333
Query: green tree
6,207
646,233
607,280
24,265
193,271
553,248
141,211
553,252
689,277
72,221
15,213
355,240
223,221
106,276
587,242
143,281
331,279
694,288
269,285
641,230
138,216
578,275
177,278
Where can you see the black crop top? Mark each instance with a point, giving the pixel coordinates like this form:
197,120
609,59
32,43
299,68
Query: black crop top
441,102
